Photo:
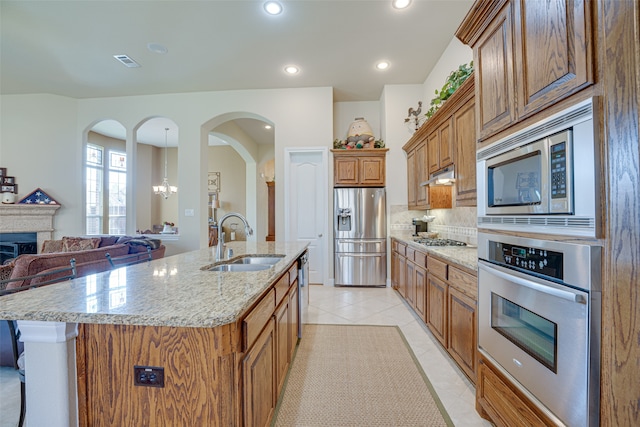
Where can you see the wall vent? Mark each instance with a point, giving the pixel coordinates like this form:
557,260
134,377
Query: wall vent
128,62
574,226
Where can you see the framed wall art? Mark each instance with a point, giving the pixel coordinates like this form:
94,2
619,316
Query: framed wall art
213,182
3,172
8,180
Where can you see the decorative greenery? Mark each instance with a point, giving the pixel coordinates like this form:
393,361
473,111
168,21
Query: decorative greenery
338,144
453,82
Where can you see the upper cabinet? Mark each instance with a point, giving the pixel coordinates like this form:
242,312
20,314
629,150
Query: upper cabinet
528,55
359,167
447,138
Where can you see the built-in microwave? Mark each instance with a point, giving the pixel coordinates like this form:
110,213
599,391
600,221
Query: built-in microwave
542,177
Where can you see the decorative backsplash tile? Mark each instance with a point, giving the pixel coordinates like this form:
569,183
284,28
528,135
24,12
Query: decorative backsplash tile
457,224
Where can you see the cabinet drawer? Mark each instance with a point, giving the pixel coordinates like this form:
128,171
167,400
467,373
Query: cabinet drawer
281,288
437,268
464,282
255,321
401,249
410,254
420,259
293,273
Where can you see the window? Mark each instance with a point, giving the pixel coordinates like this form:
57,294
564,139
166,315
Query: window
106,208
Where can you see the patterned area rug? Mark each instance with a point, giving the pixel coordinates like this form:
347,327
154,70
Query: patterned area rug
352,375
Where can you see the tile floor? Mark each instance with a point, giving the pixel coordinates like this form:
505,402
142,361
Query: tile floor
370,306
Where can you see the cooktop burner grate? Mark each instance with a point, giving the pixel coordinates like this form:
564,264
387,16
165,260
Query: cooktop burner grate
439,242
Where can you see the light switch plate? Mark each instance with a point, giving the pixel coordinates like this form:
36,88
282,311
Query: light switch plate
189,212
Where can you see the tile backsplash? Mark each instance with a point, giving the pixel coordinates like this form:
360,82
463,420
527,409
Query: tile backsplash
457,223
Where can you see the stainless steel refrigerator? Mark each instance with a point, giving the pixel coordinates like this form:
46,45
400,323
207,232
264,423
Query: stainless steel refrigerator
360,234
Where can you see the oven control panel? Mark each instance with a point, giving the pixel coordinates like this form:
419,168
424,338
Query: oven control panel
539,261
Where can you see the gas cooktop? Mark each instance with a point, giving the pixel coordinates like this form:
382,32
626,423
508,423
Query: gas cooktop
439,242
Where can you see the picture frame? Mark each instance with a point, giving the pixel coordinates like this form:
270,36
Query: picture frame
213,182
3,172
9,188
8,180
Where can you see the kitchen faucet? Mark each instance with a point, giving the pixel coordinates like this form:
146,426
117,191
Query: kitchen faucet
220,247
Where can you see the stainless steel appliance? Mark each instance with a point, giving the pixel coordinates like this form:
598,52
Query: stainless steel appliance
539,310
360,234
543,176
303,290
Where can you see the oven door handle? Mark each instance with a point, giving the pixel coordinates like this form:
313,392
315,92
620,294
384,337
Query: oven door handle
580,299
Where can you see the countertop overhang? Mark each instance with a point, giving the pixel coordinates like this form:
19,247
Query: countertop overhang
172,291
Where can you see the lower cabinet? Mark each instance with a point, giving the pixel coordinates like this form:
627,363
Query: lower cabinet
260,378
500,402
444,296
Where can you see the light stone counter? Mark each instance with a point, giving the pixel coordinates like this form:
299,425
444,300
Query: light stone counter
465,256
172,291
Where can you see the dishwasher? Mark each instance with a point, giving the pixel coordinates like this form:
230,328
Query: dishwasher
303,289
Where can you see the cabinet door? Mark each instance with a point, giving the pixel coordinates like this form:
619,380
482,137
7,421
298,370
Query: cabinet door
259,379
422,174
465,141
394,270
433,143
462,331
402,276
371,171
495,86
553,51
345,171
412,178
420,280
410,294
282,343
445,145
436,308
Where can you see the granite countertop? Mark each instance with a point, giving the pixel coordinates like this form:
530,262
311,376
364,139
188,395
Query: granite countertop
465,256
172,291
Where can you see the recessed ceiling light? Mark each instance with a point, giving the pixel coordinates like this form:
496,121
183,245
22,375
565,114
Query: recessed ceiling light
267,127
273,7
157,48
400,4
382,65
291,69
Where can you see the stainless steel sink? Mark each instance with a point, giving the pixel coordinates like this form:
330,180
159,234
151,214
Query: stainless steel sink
258,259
240,267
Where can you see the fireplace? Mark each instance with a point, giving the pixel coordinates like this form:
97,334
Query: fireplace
24,219
14,244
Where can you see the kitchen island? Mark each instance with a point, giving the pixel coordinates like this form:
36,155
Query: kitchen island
219,341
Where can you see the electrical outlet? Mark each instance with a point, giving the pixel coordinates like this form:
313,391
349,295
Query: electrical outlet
148,376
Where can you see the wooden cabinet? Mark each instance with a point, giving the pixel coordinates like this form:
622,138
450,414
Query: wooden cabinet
412,180
437,290
283,326
444,296
359,167
464,123
421,175
528,55
259,376
506,406
441,147
419,196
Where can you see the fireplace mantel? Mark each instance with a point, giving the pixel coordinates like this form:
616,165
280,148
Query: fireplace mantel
25,218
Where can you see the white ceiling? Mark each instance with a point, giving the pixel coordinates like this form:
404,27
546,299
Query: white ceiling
67,47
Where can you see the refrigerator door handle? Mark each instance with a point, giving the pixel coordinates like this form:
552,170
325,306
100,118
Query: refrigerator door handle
360,254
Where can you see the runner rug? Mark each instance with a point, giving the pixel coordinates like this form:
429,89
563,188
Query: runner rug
352,375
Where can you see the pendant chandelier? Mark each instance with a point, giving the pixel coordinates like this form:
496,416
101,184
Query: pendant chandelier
164,189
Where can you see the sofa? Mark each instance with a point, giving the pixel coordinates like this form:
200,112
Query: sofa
90,255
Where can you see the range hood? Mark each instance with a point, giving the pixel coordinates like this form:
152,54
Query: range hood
444,176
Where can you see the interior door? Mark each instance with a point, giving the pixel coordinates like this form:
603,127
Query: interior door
307,206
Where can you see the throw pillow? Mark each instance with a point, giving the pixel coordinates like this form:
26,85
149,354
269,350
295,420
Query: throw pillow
49,246
108,241
74,244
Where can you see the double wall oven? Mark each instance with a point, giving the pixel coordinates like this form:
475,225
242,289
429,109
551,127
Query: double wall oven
539,298
539,305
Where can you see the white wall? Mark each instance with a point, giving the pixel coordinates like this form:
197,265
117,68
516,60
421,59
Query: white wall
344,114
454,55
42,137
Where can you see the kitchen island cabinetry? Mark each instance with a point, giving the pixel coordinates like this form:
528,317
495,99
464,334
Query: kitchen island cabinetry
359,167
528,56
444,295
221,342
